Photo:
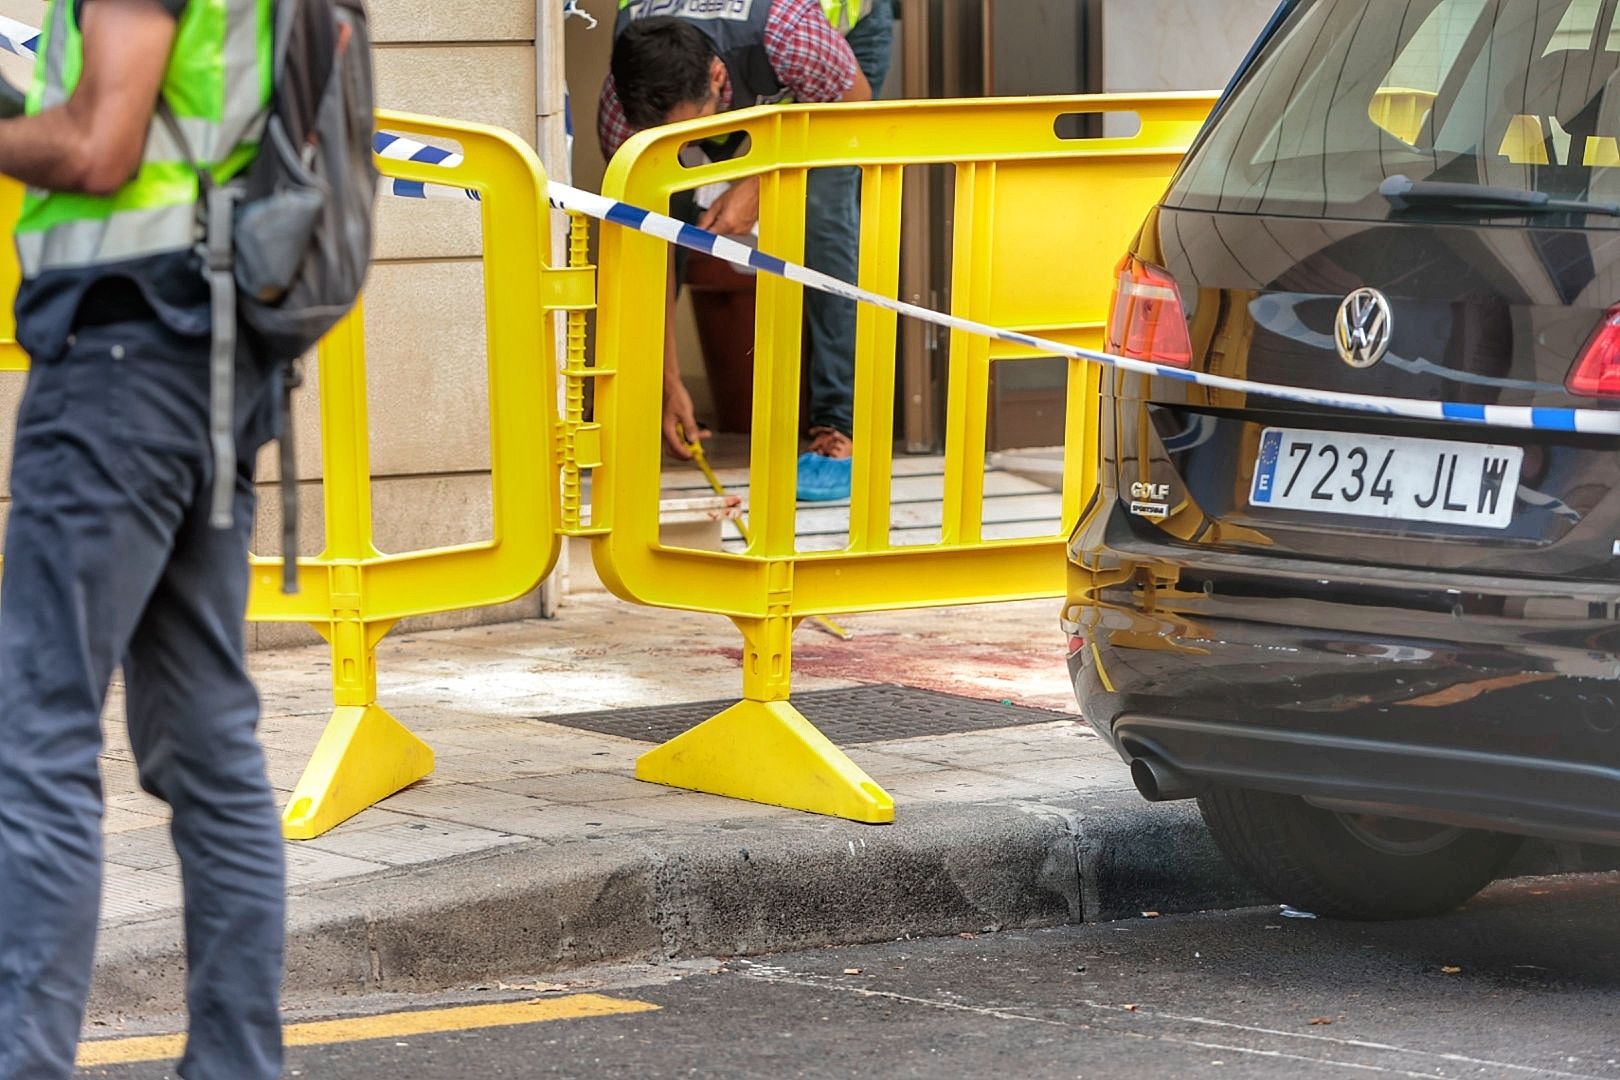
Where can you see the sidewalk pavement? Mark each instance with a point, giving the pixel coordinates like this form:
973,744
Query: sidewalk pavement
532,849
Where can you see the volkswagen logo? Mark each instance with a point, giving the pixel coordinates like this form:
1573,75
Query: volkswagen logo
1363,328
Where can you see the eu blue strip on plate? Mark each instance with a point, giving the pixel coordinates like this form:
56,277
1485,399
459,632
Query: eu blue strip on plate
1265,470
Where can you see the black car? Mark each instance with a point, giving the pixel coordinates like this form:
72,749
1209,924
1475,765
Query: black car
1377,649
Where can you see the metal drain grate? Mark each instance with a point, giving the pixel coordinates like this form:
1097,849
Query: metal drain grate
859,714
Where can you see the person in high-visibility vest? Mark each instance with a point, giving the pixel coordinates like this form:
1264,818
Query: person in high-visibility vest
681,59
110,559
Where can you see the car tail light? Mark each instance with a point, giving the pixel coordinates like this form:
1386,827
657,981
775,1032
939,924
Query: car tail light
1597,372
1147,321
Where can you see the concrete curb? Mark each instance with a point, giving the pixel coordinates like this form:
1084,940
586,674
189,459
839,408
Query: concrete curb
750,887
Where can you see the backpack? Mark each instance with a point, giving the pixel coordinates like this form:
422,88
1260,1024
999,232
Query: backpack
287,242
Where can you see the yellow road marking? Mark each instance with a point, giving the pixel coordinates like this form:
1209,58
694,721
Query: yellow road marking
389,1026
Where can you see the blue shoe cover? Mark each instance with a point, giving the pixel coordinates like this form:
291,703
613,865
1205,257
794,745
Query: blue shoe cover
824,479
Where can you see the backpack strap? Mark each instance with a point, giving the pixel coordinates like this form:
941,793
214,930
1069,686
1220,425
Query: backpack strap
221,273
217,210
292,377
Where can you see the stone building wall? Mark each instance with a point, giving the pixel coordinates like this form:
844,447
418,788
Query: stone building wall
1177,44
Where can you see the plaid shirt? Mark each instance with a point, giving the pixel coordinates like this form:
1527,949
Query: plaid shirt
811,60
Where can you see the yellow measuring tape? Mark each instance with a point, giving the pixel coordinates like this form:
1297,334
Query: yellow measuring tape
701,460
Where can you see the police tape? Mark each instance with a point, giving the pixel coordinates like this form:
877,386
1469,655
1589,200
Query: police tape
564,197
385,144
18,38
1592,421
671,230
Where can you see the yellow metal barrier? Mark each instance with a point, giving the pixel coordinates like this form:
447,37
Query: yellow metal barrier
12,358
1040,223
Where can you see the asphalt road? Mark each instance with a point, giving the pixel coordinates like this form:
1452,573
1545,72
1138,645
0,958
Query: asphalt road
1523,984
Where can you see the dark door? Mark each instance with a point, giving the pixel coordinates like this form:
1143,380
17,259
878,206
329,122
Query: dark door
976,48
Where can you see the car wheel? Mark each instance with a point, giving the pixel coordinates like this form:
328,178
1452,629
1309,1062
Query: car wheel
1351,866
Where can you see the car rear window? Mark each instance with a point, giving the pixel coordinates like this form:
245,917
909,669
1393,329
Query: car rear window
1498,93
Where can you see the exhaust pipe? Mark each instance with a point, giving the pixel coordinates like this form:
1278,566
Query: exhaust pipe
1159,782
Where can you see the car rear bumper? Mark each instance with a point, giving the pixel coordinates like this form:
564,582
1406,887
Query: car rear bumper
1490,703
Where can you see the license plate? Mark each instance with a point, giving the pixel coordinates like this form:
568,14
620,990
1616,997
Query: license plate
1381,476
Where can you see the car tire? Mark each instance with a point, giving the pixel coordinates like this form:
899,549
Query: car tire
1345,866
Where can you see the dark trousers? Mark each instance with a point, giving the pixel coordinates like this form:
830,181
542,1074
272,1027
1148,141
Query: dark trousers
109,560
832,244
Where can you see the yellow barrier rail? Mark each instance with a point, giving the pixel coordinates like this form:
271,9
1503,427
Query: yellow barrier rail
353,593
12,358
1040,222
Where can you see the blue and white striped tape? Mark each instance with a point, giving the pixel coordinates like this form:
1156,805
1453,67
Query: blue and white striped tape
571,9
18,38
666,228
399,148
21,39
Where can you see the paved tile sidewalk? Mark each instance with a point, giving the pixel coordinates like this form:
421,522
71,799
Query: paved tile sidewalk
505,776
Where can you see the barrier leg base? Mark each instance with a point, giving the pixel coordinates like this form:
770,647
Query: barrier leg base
767,752
363,757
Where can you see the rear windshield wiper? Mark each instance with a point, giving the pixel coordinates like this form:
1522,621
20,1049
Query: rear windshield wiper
1405,194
